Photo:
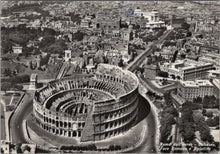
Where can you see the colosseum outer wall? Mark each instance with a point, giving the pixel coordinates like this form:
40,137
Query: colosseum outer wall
103,118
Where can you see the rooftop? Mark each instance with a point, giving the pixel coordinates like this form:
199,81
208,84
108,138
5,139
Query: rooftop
186,64
197,83
33,77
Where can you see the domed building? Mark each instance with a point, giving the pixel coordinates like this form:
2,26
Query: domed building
92,106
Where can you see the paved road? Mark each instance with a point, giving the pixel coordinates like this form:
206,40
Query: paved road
152,86
140,58
61,71
20,114
171,87
149,138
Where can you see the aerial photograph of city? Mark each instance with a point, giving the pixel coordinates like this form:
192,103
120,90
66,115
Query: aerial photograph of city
110,77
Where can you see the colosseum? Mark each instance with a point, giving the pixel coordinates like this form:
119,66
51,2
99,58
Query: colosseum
90,106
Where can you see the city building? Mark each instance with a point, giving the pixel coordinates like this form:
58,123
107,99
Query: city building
188,90
187,69
17,49
150,71
153,20
216,83
213,58
33,82
166,52
176,22
97,105
68,55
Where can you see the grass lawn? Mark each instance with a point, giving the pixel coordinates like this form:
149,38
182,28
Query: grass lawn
6,99
10,99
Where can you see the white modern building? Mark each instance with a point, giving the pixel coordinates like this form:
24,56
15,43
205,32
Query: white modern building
187,69
188,90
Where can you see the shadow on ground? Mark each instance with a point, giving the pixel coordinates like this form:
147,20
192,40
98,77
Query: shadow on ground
143,109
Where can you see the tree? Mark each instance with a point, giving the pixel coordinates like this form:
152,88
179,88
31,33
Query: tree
197,100
75,18
174,56
188,132
18,87
2,151
183,56
5,86
185,26
209,114
171,109
167,118
213,122
18,148
165,132
44,61
204,111
139,69
78,36
120,64
31,65
173,76
26,147
18,58
210,102
47,40
8,72
178,77
20,79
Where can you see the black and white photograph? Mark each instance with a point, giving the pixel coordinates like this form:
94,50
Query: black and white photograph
110,77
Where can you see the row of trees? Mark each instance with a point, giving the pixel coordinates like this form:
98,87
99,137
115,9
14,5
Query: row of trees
154,59
90,147
114,147
9,86
207,102
154,95
22,35
44,60
186,125
190,123
168,118
13,82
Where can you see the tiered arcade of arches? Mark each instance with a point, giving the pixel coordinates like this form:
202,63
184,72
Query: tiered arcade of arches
92,106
